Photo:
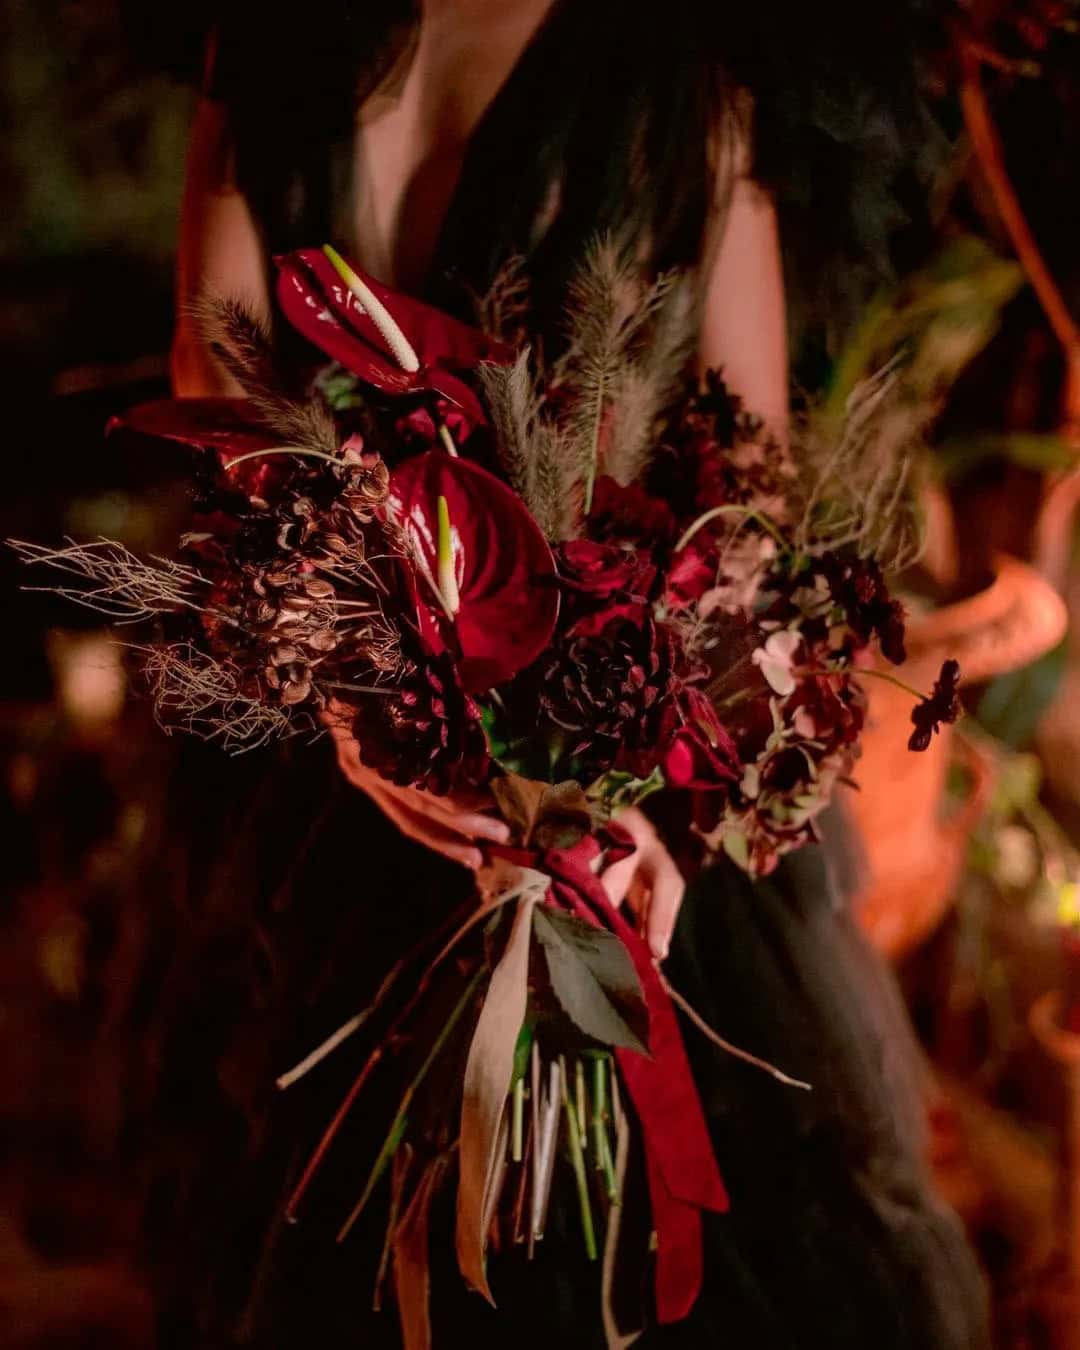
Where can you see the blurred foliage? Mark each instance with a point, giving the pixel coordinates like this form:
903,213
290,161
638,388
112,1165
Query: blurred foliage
1013,704
94,157
938,318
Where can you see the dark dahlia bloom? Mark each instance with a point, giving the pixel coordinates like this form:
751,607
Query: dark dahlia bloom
630,514
858,585
609,691
425,733
943,705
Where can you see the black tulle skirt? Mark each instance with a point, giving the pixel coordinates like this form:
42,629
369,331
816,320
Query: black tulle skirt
834,1237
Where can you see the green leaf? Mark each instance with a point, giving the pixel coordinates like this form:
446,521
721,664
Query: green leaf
543,814
617,789
1013,703
594,979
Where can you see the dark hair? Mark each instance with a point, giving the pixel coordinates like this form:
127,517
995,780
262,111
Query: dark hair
619,115
626,111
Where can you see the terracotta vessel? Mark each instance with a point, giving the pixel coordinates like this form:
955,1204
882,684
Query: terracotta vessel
913,847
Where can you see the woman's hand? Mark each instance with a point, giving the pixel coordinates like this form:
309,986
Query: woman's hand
452,825
648,881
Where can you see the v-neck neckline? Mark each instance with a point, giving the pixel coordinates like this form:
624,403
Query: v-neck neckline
348,160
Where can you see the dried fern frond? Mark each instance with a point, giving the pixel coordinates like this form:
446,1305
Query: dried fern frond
193,692
665,344
856,473
242,344
123,586
603,319
514,401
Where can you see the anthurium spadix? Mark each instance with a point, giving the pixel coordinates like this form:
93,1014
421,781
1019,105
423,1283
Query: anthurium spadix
486,571
388,340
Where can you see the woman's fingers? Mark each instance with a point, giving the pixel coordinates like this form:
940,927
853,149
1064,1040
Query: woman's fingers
426,830
616,879
666,888
649,881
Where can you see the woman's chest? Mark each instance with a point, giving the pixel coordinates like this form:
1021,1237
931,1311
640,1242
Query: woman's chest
412,137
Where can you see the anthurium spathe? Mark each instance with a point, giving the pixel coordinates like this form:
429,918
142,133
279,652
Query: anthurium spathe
390,341
486,571
228,425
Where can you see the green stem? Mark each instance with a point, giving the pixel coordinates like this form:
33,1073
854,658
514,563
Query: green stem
579,1092
599,1109
747,513
604,1162
397,1127
577,1157
518,1118
890,679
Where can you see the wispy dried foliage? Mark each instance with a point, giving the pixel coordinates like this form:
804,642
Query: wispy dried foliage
856,473
193,692
122,586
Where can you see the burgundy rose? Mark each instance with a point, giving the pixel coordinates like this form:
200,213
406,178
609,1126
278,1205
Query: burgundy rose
692,573
699,754
603,570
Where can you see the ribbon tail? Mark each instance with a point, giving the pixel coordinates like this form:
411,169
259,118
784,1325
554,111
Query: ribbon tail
680,1260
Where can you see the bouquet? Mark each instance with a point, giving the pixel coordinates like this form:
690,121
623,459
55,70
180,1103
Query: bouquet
571,583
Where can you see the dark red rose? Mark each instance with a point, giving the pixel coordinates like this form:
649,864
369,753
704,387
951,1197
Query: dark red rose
699,753
693,571
603,570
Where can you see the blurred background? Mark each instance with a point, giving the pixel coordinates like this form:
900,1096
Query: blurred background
972,888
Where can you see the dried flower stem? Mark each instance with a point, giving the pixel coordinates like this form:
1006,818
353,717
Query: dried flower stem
397,1127
725,1045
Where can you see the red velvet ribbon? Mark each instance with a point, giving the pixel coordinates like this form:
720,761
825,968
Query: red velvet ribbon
681,1168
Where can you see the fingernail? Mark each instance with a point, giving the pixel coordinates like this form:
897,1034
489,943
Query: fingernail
661,949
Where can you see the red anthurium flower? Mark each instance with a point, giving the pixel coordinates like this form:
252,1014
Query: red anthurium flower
227,425
699,754
390,341
486,568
